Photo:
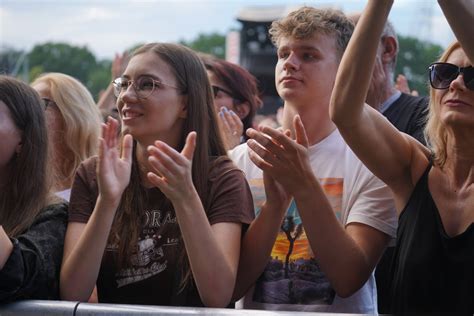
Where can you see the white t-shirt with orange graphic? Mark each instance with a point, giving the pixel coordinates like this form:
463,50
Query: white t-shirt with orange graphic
293,279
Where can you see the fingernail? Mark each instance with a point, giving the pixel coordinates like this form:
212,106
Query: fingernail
224,109
232,112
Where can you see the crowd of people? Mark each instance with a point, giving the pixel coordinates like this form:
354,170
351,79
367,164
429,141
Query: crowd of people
166,191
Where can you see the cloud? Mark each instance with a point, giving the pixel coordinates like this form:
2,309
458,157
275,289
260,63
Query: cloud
109,26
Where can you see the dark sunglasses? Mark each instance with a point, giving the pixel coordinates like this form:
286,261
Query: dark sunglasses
442,74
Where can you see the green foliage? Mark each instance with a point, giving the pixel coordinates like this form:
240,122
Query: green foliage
413,60
65,58
99,78
213,44
79,62
75,61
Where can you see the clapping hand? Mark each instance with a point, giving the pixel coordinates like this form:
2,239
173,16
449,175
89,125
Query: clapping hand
231,126
279,156
113,169
172,172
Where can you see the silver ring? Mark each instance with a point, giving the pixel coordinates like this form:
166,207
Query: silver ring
234,133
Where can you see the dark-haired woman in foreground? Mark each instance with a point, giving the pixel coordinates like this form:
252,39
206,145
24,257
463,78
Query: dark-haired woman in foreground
32,223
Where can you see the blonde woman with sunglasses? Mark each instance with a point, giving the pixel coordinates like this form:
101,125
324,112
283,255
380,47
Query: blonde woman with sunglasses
433,266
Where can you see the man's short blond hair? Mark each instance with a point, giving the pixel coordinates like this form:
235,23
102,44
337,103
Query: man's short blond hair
306,21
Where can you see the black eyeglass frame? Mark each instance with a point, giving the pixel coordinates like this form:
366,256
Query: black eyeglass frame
216,89
468,80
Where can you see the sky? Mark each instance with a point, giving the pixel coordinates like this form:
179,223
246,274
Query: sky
110,26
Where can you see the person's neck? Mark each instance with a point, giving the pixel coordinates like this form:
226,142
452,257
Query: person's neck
460,157
143,165
63,183
316,122
62,159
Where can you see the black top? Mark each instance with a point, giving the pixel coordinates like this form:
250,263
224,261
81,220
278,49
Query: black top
32,269
408,115
431,272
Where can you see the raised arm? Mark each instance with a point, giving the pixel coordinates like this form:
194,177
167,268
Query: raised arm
107,100
85,243
260,237
385,151
460,16
213,250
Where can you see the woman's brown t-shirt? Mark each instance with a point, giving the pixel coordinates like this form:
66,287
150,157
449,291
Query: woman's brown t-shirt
153,274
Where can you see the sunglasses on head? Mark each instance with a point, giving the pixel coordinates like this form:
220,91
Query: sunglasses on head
442,74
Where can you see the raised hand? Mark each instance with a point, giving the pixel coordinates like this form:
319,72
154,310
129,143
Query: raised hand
119,64
276,195
113,169
401,84
231,126
284,159
172,170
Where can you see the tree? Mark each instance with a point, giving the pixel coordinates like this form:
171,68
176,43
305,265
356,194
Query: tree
413,60
213,44
78,62
10,59
292,232
62,57
99,78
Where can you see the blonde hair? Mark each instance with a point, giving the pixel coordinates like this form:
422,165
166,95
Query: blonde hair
435,131
306,21
81,115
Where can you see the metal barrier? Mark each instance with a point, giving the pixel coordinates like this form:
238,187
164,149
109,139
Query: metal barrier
64,308
35,307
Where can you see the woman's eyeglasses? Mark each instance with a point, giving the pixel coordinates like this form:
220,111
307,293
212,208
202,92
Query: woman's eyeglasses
217,89
442,74
143,86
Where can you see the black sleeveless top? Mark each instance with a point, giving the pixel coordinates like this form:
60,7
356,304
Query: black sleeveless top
431,272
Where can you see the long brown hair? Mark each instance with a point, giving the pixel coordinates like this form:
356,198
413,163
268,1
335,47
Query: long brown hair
28,183
192,81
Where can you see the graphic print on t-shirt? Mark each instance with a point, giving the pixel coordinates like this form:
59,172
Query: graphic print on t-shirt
153,246
293,276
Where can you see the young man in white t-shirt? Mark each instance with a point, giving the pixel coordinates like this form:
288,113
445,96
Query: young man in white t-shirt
325,244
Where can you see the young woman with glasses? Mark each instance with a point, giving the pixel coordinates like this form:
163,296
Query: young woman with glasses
32,221
236,98
73,122
159,221
433,266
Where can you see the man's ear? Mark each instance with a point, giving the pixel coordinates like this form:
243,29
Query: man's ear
389,53
184,107
242,109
